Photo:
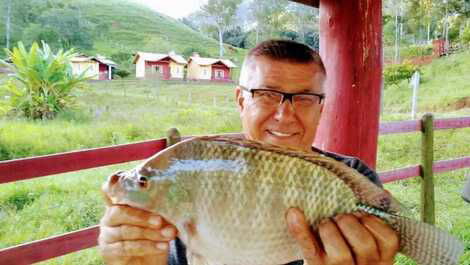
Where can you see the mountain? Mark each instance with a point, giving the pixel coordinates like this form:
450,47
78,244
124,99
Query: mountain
113,28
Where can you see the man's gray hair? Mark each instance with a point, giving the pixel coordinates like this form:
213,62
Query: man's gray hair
283,50
286,50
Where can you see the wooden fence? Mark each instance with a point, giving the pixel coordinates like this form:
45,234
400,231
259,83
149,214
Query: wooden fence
28,168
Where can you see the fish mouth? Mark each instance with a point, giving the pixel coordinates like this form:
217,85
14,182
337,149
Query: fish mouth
127,188
122,181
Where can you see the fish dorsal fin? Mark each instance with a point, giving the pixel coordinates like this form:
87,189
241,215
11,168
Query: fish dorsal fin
366,191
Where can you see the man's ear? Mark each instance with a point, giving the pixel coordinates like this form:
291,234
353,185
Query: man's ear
239,98
321,107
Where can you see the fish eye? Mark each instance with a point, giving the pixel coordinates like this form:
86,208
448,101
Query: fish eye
143,182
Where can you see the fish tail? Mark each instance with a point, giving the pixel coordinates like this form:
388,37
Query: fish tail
426,244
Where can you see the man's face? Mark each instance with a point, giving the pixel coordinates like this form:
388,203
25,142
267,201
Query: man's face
281,124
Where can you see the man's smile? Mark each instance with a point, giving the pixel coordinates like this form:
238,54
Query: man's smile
281,133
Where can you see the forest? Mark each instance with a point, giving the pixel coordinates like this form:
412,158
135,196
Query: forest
96,27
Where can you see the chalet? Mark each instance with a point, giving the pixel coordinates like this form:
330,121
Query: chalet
200,68
97,67
158,65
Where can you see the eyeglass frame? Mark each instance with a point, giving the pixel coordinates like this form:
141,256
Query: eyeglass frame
285,95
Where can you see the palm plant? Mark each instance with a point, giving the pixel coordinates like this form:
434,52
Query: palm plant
42,83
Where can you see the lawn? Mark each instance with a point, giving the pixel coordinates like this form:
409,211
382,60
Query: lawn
109,113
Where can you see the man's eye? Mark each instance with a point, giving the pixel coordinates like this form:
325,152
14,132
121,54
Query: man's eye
305,98
268,95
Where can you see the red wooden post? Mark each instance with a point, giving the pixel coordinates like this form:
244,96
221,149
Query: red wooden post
351,47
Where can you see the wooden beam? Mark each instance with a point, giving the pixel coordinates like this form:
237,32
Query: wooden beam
400,173
351,48
314,3
451,164
27,168
48,248
400,127
452,123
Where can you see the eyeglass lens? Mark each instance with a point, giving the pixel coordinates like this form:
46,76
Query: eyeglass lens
274,97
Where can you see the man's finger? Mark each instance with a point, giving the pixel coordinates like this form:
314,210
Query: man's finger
122,214
360,240
134,248
387,239
111,234
152,259
300,230
336,249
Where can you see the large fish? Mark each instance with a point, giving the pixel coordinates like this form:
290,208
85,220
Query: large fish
228,198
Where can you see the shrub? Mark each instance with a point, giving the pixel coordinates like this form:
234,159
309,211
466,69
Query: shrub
395,73
42,82
188,52
465,36
417,50
122,73
122,57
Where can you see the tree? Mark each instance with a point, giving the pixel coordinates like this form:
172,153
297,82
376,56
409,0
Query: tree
72,29
304,20
236,37
8,24
15,15
270,17
221,15
42,83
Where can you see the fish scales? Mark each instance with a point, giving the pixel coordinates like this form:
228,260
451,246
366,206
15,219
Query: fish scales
252,199
228,198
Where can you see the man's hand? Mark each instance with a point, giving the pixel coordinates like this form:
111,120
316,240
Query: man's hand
133,236
352,239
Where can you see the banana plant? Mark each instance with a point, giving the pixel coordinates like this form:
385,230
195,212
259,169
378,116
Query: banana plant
42,83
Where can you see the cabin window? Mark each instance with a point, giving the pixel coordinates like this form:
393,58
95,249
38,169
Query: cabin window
158,69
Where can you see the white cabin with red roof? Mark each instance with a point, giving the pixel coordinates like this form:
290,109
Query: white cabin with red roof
159,65
96,67
200,68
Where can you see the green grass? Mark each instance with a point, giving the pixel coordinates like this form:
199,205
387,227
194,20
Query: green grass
118,112
443,84
116,115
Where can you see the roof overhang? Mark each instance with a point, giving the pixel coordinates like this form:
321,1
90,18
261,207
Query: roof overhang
314,3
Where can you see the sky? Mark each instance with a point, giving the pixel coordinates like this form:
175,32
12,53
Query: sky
173,8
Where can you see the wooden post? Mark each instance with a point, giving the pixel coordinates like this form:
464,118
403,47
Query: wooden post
172,137
351,48
427,181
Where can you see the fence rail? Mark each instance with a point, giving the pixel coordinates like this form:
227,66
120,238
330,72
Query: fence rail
28,168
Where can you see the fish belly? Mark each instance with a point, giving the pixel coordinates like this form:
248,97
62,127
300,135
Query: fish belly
241,218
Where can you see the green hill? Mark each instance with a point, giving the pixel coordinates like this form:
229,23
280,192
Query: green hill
118,28
445,87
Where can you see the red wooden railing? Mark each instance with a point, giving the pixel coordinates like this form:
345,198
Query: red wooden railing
28,168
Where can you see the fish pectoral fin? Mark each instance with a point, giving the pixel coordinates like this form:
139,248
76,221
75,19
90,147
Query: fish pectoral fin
426,244
196,259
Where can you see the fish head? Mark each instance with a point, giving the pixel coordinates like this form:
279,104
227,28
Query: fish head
152,186
137,190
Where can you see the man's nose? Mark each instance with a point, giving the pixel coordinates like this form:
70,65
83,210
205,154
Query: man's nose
285,111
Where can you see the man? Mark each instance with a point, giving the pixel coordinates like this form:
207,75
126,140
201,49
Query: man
280,99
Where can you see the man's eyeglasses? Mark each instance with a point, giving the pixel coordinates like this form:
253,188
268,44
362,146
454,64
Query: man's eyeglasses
271,97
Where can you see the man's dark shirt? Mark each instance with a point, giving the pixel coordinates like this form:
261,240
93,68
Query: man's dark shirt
178,251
